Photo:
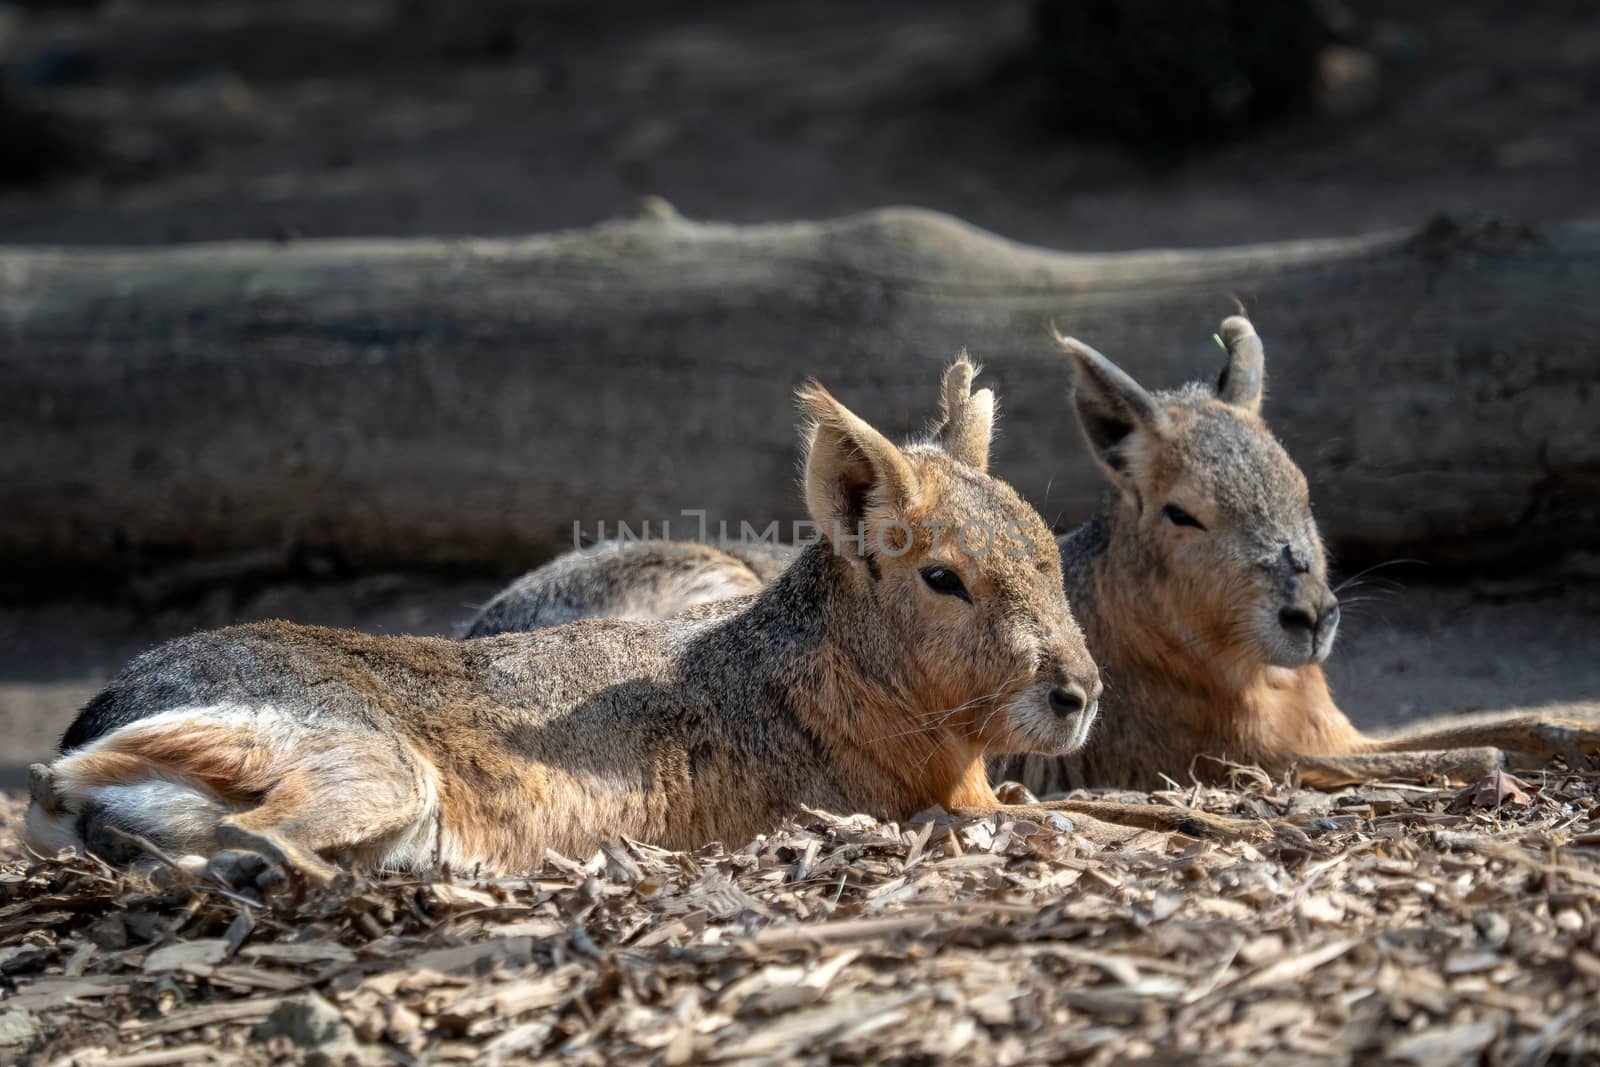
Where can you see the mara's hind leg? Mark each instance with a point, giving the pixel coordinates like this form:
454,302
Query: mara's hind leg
1542,735
193,780
1458,764
301,818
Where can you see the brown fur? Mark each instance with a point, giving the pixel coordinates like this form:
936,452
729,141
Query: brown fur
1199,670
1181,620
851,683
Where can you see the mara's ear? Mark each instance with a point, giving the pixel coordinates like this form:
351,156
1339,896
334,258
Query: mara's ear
966,418
849,467
1111,405
1242,380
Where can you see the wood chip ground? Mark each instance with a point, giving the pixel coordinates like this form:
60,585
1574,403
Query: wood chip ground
1386,924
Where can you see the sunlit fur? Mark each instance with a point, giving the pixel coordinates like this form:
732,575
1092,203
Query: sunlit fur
1214,594
847,684
1187,623
679,575
1186,620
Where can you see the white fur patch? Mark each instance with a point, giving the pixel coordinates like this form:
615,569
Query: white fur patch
1032,719
48,834
181,815
184,815
419,846
175,811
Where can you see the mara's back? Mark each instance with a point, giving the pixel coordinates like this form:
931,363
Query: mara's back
630,580
365,681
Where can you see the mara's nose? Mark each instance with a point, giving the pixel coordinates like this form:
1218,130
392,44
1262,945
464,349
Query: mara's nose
1070,698
1296,619
1310,618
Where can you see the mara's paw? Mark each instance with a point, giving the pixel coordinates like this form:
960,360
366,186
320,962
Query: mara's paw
42,789
1573,741
273,849
1014,793
1223,827
239,869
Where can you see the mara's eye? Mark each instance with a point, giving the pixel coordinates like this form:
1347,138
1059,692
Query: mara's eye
946,581
1178,517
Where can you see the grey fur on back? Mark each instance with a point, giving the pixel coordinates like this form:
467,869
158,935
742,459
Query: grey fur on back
629,580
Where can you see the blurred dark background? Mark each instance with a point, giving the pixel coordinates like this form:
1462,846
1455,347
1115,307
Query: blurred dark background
1089,124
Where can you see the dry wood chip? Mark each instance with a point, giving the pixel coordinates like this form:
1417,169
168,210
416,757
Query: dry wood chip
1499,789
514,998
160,1057
1471,962
1444,1044
620,866
55,994
298,952
392,982
970,861
21,957
523,1036
677,930
82,956
844,930
13,930
1296,966
258,978
185,953
1419,936
813,1028
782,988
449,896
211,1015
513,950
1322,909
527,928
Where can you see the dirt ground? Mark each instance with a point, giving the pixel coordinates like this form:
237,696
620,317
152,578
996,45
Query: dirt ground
271,120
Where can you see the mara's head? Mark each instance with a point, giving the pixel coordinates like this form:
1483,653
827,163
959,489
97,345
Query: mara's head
1211,519
955,579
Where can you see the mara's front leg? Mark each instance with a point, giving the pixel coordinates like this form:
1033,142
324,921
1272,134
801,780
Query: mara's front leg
1570,731
1162,817
1104,821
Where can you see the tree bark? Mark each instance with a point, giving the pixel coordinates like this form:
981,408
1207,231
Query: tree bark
380,403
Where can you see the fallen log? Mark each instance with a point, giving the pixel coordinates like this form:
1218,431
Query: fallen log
374,403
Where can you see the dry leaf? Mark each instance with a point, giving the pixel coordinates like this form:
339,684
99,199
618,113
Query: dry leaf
1499,789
